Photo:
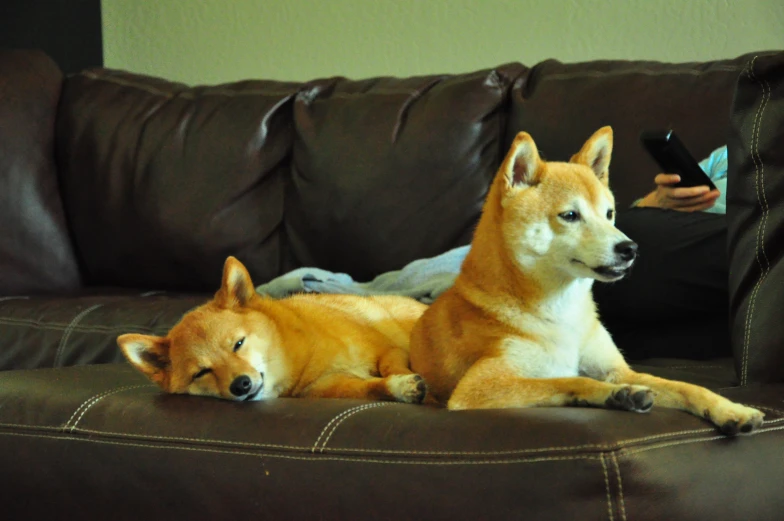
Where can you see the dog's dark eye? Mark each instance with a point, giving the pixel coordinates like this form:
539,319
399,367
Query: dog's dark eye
610,214
570,216
239,344
202,373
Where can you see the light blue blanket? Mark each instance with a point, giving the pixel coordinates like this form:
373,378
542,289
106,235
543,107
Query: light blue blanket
423,280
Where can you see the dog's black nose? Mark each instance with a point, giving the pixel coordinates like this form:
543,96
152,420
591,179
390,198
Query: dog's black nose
626,250
241,385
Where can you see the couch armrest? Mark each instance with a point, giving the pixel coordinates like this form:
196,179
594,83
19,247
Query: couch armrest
36,253
755,220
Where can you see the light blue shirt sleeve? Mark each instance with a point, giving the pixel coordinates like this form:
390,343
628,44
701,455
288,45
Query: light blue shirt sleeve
715,165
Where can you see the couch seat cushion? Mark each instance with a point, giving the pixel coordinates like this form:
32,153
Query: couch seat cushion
102,439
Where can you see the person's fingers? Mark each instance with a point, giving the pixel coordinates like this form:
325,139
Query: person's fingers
700,201
667,179
686,192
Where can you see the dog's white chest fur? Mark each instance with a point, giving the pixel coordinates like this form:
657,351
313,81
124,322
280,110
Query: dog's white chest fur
560,326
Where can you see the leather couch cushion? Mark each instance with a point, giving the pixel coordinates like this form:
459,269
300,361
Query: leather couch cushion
79,442
755,219
388,170
161,181
561,105
36,255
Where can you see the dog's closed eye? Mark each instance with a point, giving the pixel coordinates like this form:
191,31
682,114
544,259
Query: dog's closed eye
202,373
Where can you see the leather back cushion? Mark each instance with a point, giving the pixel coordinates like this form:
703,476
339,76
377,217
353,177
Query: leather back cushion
161,181
36,255
561,105
387,171
755,220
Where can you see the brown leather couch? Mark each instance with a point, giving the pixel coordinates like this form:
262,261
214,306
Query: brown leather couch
121,195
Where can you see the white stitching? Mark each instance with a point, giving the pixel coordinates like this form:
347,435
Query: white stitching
96,400
67,333
697,440
92,401
623,450
335,418
152,293
363,460
759,245
620,486
371,406
617,446
95,328
3,299
340,418
316,458
607,488
765,408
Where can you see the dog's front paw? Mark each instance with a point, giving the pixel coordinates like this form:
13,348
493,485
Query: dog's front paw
636,398
407,388
733,418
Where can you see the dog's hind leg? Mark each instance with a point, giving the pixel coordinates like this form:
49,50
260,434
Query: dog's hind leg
407,388
492,384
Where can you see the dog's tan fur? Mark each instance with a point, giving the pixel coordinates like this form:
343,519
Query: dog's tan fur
332,346
519,328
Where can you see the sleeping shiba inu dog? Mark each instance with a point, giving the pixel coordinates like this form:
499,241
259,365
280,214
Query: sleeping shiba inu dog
242,346
519,327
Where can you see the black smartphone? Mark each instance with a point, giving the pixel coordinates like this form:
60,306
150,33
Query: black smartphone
673,158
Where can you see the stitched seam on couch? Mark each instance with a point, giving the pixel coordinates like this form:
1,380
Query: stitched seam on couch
3,299
618,446
607,488
59,326
646,72
442,462
622,504
439,462
629,452
67,333
87,404
340,418
759,184
186,94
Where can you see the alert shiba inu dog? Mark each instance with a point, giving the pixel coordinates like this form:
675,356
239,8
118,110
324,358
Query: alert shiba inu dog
519,327
242,346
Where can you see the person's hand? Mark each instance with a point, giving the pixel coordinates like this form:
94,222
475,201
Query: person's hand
691,199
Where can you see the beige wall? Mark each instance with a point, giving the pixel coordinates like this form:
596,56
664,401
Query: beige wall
210,41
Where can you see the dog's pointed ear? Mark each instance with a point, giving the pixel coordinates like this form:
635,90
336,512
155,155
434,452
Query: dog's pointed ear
596,153
236,287
149,354
522,165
